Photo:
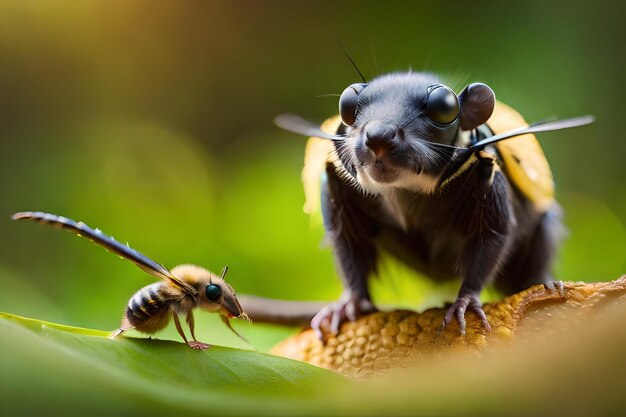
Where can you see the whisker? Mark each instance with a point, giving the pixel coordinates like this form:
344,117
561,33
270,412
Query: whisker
413,115
374,55
441,145
409,118
432,156
442,148
328,95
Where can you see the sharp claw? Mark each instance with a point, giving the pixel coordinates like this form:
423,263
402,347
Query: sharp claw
460,318
336,321
348,308
561,286
481,316
318,332
555,286
351,312
484,321
318,321
315,321
457,310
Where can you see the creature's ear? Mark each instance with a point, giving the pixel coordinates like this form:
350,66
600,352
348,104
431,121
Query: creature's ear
477,103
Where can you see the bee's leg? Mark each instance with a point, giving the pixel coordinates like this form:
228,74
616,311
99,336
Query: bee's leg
116,333
191,323
179,328
123,327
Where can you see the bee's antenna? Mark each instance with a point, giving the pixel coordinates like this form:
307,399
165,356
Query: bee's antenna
351,60
374,54
224,271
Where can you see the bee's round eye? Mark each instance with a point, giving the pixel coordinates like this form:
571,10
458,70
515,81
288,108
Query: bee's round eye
442,106
348,103
213,292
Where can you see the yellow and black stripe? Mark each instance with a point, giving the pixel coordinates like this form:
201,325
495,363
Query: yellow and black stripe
146,303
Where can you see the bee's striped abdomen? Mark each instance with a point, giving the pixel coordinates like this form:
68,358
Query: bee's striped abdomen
146,304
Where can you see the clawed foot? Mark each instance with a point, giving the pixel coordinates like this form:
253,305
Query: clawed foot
198,345
463,303
555,286
349,307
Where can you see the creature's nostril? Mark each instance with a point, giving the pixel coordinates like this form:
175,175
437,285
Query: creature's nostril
381,131
379,135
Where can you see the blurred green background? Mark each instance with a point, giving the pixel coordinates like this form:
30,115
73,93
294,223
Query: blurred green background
152,121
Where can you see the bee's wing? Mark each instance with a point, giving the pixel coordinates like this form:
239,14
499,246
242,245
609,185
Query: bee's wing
535,128
297,124
96,236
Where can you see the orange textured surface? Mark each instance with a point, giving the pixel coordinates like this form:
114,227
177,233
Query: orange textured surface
382,341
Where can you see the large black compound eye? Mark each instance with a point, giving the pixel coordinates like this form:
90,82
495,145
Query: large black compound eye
348,103
442,106
213,292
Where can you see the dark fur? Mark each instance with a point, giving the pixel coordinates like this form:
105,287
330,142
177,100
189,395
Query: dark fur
459,232
475,228
398,187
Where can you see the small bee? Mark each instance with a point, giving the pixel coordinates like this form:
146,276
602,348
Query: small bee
183,288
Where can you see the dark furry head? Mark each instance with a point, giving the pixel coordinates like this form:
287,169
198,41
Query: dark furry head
399,127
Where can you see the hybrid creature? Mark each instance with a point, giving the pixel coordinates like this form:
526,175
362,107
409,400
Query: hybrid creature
411,168
181,290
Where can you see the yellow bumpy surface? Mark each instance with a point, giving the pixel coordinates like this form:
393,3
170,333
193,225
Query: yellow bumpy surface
381,341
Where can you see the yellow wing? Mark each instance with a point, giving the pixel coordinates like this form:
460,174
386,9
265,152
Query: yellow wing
317,154
524,162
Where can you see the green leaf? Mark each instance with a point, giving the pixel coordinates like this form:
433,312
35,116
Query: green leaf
63,370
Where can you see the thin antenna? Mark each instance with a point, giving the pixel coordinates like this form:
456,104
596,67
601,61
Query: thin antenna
374,55
351,60
224,271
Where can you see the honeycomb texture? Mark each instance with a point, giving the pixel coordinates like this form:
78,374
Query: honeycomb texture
379,342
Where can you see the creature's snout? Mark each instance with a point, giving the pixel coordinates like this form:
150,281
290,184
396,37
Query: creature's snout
231,305
380,136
